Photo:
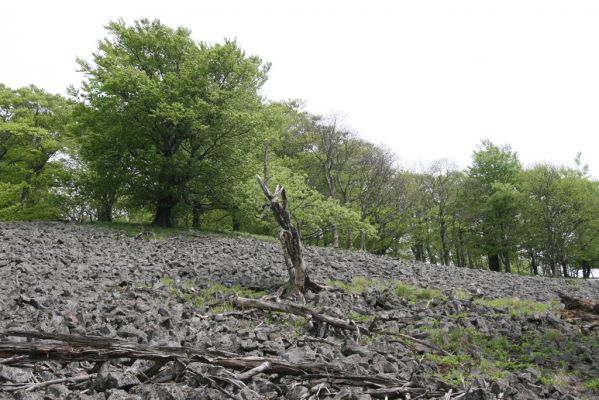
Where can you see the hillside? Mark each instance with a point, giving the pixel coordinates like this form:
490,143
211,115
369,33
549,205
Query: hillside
439,332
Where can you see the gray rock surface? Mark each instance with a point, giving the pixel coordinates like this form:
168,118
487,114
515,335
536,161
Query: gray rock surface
78,279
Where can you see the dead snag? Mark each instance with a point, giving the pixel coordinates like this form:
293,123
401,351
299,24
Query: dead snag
290,241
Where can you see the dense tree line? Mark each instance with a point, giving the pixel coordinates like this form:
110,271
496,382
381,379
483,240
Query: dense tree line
171,131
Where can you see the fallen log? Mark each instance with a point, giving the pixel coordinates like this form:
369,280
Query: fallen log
98,349
60,347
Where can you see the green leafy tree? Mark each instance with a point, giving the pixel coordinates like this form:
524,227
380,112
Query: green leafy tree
175,118
32,127
439,187
310,210
494,202
562,213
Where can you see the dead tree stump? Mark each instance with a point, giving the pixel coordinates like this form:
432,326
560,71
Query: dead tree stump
291,242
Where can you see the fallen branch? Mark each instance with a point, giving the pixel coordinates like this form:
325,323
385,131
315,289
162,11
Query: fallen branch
72,379
254,371
92,348
99,349
306,312
413,339
12,360
302,311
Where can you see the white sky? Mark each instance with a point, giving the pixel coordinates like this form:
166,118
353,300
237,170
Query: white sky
429,79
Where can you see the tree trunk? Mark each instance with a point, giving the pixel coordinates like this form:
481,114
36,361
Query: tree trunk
25,197
105,212
164,212
506,261
470,261
443,238
431,254
362,241
554,269
196,220
586,269
236,224
290,238
335,242
418,250
565,269
462,257
533,264
494,263
350,239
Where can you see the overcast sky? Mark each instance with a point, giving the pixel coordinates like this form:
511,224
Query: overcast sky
429,79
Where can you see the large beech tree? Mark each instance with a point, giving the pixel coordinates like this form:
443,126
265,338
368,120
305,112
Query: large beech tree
180,115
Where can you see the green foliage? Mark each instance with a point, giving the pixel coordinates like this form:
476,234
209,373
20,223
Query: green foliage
562,209
310,210
32,126
172,131
494,201
172,119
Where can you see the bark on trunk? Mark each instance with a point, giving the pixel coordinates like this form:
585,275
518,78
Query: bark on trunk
350,239
289,236
236,224
431,255
164,212
586,269
418,250
565,269
105,212
533,264
506,262
494,264
335,237
196,220
443,238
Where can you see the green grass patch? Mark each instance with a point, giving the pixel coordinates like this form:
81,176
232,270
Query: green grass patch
592,385
460,315
167,281
200,297
145,231
414,293
354,316
462,295
151,232
520,307
358,285
475,354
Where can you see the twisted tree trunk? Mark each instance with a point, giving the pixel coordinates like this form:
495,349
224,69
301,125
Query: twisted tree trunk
289,236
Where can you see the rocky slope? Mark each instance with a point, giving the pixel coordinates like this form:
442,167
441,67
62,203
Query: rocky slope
479,334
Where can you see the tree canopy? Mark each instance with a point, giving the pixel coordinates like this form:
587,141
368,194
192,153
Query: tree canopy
177,116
